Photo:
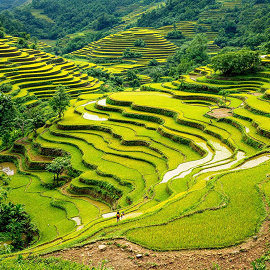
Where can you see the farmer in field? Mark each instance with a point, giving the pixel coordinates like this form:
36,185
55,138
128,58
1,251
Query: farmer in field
117,216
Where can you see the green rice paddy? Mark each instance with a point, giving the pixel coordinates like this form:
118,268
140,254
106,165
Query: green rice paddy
189,169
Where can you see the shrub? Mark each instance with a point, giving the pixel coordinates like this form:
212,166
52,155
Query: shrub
5,87
16,222
175,34
36,263
153,62
2,34
127,53
139,43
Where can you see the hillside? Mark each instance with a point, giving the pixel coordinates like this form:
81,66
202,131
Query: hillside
147,110
113,46
168,157
239,23
9,4
55,19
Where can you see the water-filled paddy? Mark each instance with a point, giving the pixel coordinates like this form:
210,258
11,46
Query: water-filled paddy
8,168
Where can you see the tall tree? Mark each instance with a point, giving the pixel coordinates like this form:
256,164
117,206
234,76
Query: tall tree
60,101
7,113
57,166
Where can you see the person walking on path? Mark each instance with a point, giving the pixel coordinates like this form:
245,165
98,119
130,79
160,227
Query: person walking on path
117,216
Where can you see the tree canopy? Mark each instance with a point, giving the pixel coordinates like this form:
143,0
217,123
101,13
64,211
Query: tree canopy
7,112
240,62
60,101
57,166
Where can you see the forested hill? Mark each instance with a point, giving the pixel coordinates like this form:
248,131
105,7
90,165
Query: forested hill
7,4
175,11
56,18
239,22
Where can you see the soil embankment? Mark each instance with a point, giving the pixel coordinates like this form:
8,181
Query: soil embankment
121,254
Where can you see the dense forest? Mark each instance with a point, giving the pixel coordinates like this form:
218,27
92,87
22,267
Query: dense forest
66,17
7,4
10,25
175,11
242,24
246,24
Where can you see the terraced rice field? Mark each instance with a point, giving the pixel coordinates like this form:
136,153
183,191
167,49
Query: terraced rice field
216,13
155,156
189,169
36,74
112,47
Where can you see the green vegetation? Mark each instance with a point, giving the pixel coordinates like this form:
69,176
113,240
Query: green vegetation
43,263
128,53
175,34
114,47
60,101
139,43
46,19
57,166
136,124
15,223
7,4
240,62
174,12
5,87
155,155
153,62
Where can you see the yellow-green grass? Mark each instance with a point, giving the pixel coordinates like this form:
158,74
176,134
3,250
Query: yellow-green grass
252,131
94,157
232,224
237,137
258,105
164,101
113,46
234,102
76,159
53,222
32,75
108,144
188,30
184,128
258,120
98,142
140,130
81,182
101,153
76,207
174,152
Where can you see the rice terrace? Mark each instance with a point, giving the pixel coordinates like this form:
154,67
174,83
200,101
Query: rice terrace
141,137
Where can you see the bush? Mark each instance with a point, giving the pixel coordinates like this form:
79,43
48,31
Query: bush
153,62
139,43
5,87
17,223
127,53
2,34
175,34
